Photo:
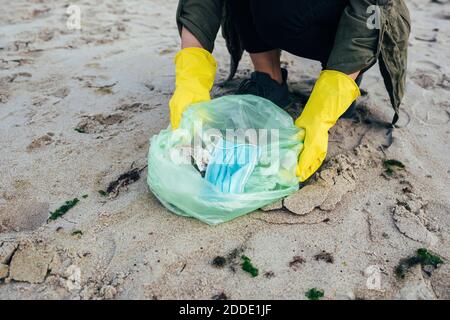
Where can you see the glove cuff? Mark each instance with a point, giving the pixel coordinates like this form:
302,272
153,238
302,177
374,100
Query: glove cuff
343,79
332,95
195,69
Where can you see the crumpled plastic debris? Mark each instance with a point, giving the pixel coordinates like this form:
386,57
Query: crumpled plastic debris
229,157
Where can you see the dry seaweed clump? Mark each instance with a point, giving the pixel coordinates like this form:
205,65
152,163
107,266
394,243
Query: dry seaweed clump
219,262
324,256
220,296
423,257
122,182
77,233
391,165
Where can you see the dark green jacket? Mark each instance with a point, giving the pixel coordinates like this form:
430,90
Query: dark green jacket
357,47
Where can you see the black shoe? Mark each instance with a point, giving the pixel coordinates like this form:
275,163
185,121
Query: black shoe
262,85
350,113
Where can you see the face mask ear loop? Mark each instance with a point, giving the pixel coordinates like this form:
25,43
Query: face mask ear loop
212,143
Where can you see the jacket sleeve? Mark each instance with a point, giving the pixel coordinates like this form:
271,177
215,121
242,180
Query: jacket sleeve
357,38
202,18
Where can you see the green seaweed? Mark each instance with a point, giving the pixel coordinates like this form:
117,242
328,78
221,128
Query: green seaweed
247,266
84,196
422,257
79,130
104,90
103,193
391,164
77,232
63,209
314,294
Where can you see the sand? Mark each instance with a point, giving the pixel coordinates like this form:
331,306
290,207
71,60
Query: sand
77,108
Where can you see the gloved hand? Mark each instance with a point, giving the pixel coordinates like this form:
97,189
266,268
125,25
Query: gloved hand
195,72
332,95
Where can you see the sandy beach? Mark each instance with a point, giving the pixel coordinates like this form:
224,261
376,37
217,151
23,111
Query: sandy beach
77,110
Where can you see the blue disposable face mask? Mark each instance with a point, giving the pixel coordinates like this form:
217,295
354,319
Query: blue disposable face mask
231,166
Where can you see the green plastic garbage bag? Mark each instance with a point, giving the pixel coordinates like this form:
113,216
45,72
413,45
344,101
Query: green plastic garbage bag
177,158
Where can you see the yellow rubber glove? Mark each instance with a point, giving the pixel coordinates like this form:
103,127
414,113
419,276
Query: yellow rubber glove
332,95
195,72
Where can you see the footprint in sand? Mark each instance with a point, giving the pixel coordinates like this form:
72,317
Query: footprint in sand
93,83
28,214
411,219
40,142
431,79
99,123
425,80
